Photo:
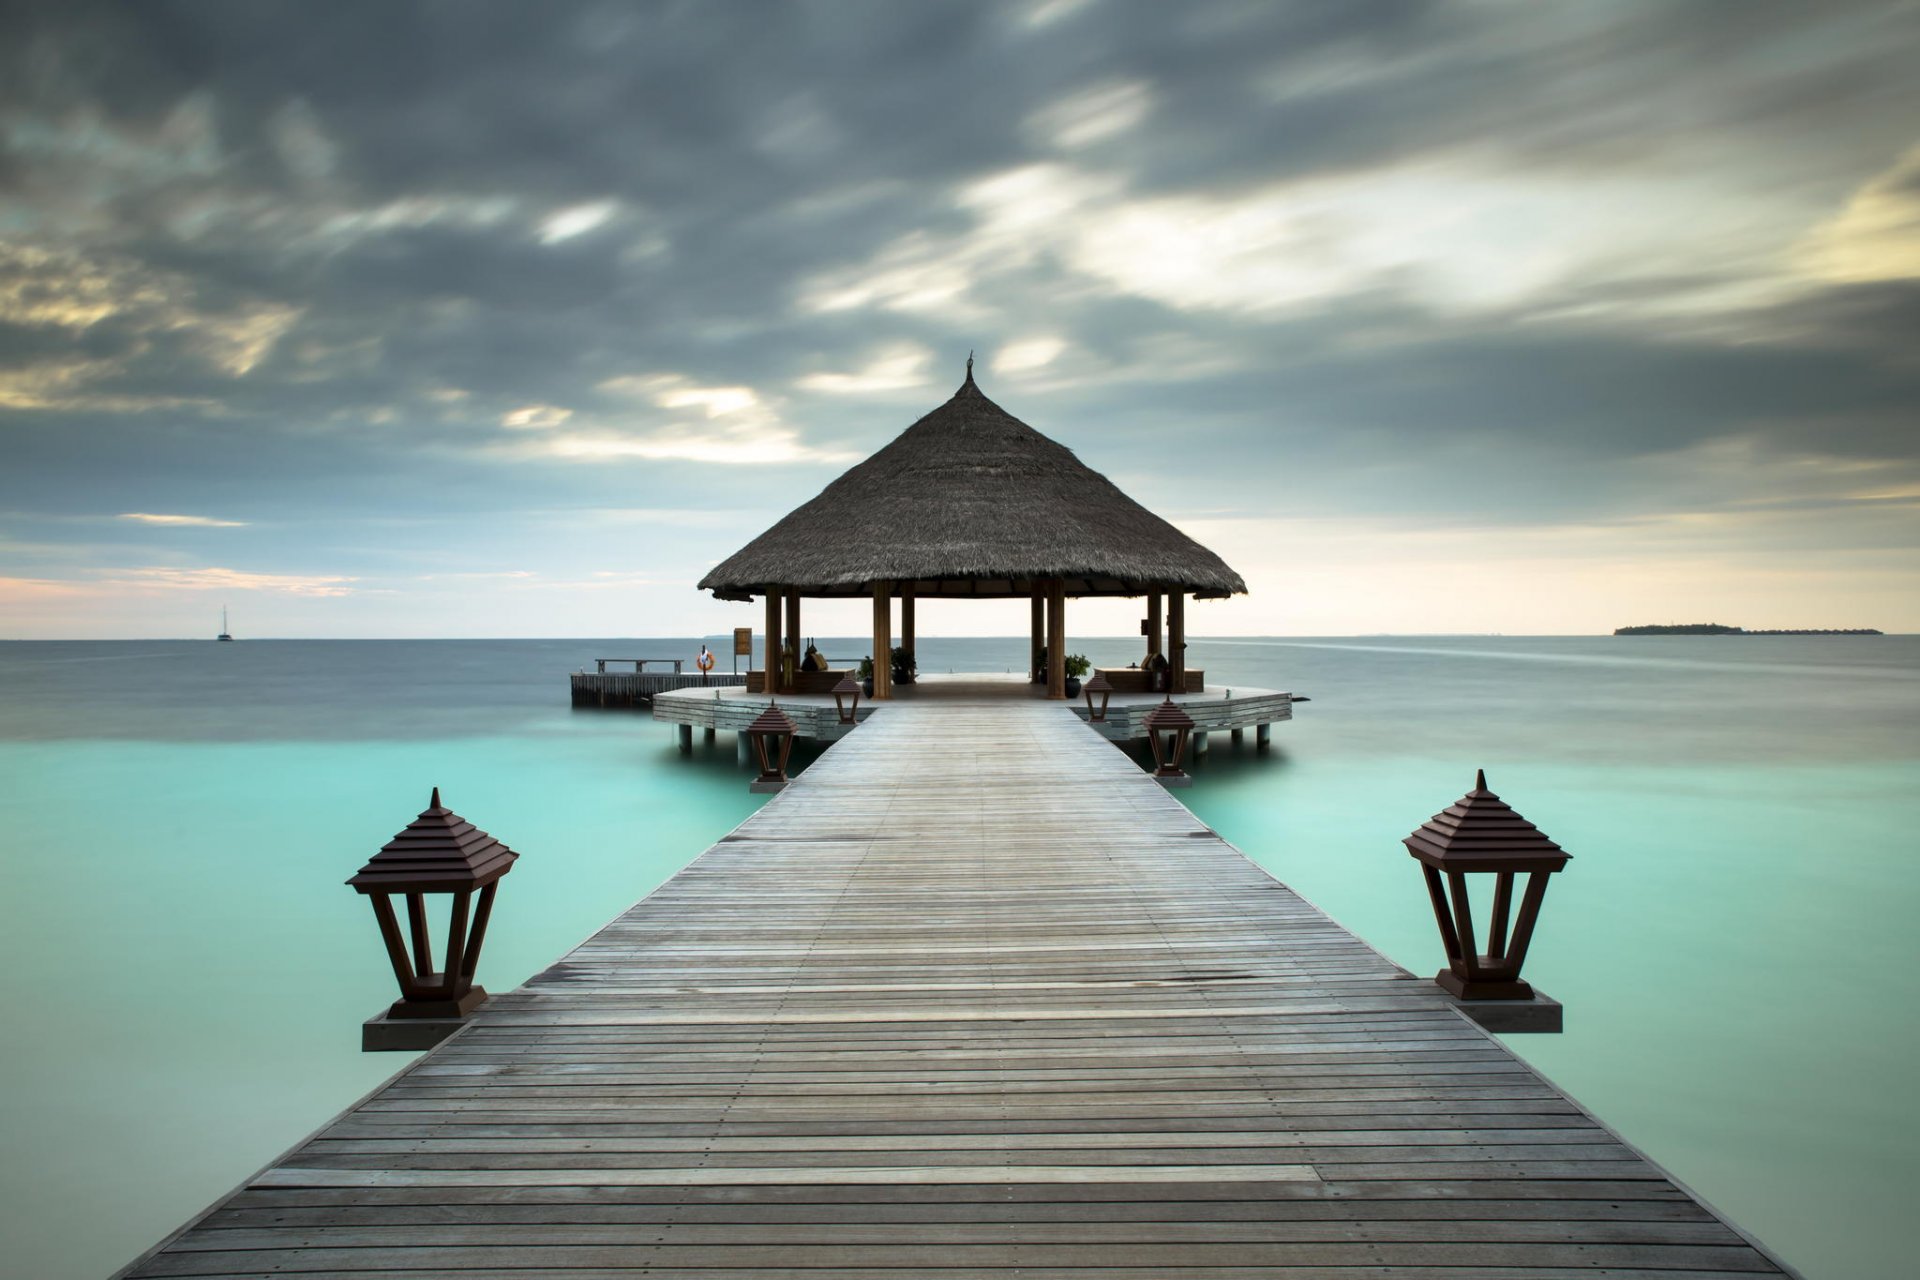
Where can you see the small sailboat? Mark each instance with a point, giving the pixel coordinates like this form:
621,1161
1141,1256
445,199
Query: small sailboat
224,633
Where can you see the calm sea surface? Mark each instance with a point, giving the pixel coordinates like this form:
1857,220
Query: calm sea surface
185,974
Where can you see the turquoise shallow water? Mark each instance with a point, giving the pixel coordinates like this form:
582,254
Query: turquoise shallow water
1734,940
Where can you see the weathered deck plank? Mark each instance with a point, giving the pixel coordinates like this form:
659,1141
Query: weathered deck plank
972,996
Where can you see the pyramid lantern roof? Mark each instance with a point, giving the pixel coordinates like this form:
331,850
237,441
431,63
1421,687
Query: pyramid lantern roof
438,852
1481,832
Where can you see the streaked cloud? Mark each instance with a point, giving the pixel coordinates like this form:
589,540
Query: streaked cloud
1092,115
668,416
1024,354
897,368
576,220
744,444
1877,235
119,583
211,578
195,522
534,417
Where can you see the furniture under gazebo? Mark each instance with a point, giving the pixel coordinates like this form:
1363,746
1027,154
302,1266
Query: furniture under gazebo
971,503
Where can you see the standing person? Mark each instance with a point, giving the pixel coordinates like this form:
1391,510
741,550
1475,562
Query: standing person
704,662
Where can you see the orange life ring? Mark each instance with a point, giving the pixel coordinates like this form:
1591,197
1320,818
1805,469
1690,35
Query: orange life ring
705,660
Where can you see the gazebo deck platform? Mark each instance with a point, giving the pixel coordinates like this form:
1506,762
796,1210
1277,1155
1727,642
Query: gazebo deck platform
975,1002
1214,711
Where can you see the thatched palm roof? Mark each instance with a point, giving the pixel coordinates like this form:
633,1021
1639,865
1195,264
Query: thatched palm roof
971,501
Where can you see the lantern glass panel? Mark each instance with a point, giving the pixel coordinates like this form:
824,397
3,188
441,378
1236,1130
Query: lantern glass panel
1174,751
1098,685
846,699
433,987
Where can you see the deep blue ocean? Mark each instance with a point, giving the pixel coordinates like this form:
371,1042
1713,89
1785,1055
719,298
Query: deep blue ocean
185,972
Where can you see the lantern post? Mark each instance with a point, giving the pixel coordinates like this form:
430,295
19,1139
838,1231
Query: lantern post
1480,834
1099,685
1168,728
439,852
772,736
846,698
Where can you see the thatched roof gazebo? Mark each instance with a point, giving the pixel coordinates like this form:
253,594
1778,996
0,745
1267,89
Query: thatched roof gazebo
971,502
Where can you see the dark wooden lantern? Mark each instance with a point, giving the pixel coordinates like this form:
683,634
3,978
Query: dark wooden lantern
772,736
1168,728
1099,685
1479,833
846,698
439,852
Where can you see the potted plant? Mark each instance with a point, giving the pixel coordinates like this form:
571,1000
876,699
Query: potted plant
904,666
1077,666
866,677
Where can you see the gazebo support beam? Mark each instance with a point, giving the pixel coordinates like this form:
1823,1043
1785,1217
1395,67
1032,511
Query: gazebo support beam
882,640
1177,641
772,662
1056,639
1154,623
906,619
790,682
1038,636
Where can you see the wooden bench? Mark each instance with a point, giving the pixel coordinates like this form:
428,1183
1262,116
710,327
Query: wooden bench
1135,680
804,681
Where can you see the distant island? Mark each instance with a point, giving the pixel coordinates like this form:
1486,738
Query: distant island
1715,629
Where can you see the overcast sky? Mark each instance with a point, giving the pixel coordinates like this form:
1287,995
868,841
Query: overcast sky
512,319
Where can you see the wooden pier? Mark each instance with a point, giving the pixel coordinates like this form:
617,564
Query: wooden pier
973,996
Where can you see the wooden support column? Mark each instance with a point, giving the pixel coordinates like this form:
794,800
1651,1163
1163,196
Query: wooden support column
1039,637
1056,639
882,640
1154,624
906,621
1177,641
772,664
788,682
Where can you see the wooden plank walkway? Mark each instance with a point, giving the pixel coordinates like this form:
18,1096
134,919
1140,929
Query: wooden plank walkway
974,996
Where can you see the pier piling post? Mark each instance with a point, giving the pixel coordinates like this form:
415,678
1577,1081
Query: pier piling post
741,751
1199,745
706,735
1262,736
1239,736
685,733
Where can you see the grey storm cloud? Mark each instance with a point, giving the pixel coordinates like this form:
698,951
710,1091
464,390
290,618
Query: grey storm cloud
320,249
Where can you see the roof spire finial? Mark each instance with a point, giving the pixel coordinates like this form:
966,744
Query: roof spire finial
969,366
1479,779
435,802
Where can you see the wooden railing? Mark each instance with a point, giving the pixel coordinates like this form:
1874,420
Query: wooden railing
639,664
